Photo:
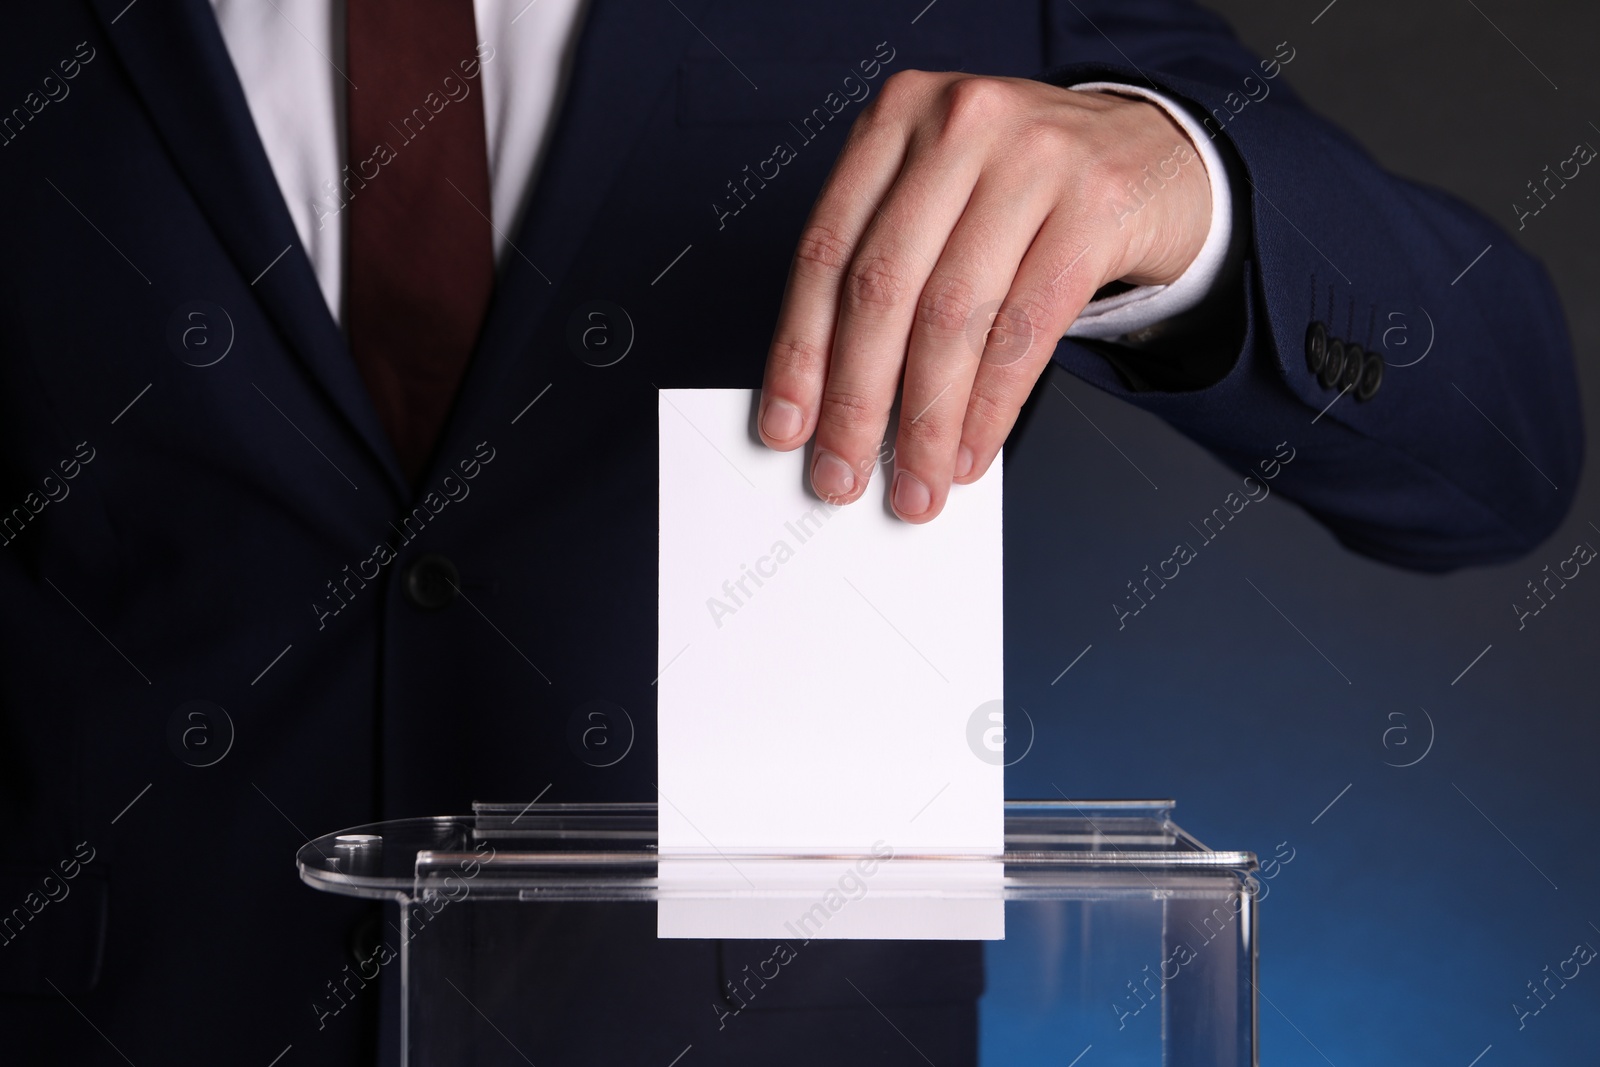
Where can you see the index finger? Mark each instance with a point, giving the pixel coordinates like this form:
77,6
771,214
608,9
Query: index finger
802,341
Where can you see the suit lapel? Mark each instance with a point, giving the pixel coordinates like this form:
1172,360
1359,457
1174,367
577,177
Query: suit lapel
627,52
174,54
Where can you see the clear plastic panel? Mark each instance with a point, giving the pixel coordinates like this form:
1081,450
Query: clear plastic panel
528,934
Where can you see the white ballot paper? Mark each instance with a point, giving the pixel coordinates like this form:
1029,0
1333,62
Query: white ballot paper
829,685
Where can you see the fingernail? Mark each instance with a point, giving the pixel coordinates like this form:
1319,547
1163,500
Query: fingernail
964,461
782,420
831,476
911,497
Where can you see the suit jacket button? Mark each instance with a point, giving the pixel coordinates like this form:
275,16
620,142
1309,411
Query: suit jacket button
1371,377
1316,347
1355,358
1333,366
431,582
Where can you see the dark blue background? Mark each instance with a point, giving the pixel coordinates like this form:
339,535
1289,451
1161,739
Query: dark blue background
1406,925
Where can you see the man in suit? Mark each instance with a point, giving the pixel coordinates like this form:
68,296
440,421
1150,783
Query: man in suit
299,437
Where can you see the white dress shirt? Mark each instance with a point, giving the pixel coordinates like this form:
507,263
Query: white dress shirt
289,55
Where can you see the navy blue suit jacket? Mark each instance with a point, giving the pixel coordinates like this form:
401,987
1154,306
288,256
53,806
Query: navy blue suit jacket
176,532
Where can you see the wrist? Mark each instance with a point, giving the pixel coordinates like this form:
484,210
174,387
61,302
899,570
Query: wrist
1160,194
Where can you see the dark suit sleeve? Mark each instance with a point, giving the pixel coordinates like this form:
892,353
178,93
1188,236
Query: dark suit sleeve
1468,455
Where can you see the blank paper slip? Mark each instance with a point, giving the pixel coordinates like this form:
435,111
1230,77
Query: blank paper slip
820,665
873,896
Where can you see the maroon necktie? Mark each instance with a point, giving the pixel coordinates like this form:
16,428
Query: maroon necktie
421,258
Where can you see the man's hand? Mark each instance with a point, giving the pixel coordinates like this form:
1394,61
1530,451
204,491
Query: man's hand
965,225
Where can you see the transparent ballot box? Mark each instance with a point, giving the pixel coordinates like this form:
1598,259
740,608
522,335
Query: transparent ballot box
555,934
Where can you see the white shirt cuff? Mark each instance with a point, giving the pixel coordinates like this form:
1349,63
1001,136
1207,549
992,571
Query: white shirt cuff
1143,306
